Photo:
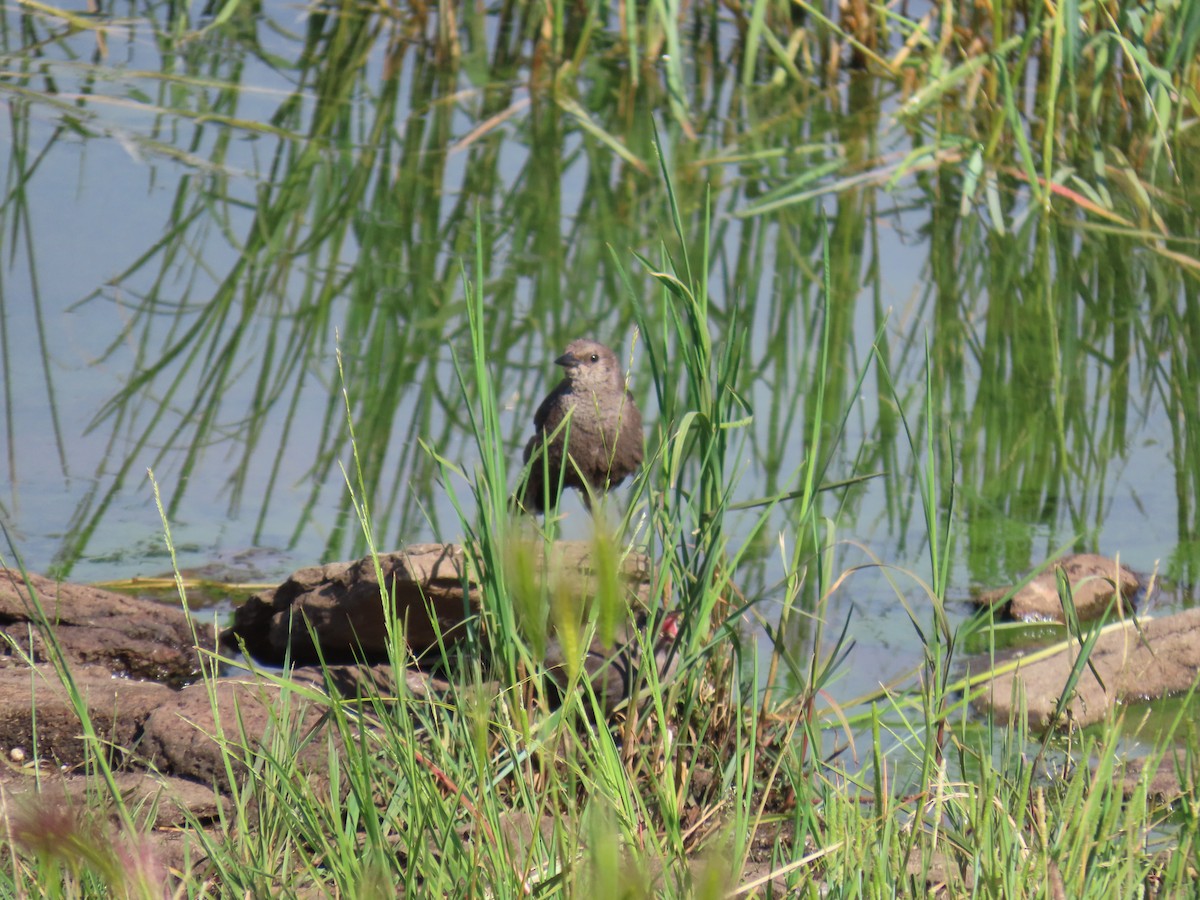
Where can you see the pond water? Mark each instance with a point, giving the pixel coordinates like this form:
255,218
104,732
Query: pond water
197,215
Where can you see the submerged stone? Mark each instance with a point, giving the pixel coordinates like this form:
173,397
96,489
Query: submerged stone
1094,582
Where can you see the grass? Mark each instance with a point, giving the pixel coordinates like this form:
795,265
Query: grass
715,784
1051,152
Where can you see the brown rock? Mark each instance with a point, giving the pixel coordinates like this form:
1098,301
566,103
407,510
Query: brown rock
1092,579
57,811
942,872
601,444
353,681
127,635
172,799
34,701
140,722
182,737
1163,659
341,603
519,831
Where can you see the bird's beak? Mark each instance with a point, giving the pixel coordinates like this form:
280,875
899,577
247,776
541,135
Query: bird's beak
567,360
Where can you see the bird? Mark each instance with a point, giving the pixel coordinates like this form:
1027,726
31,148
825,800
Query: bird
602,443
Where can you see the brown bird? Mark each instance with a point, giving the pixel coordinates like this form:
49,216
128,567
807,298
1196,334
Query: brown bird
599,447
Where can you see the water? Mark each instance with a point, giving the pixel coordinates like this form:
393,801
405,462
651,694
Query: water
192,228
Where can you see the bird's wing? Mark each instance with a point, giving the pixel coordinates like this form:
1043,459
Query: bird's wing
631,438
550,414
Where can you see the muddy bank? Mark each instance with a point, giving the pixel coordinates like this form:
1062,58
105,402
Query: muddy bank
133,667
165,736
135,663
1131,662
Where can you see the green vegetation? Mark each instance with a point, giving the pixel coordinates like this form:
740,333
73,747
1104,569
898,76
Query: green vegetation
731,198
1046,159
709,786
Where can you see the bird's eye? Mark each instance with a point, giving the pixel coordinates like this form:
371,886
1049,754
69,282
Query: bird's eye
595,358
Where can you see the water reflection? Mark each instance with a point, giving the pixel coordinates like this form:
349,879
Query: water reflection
194,225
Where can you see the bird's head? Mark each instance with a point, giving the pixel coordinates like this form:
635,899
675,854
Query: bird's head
590,365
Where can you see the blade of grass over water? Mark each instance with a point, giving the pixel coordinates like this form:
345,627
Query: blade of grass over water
324,241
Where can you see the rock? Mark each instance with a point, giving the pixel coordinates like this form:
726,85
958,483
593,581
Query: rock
1092,579
519,831
58,806
181,736
33,700
171,799
1163,659
942,872
341,604
1163,786
182,733
127,635
380,679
